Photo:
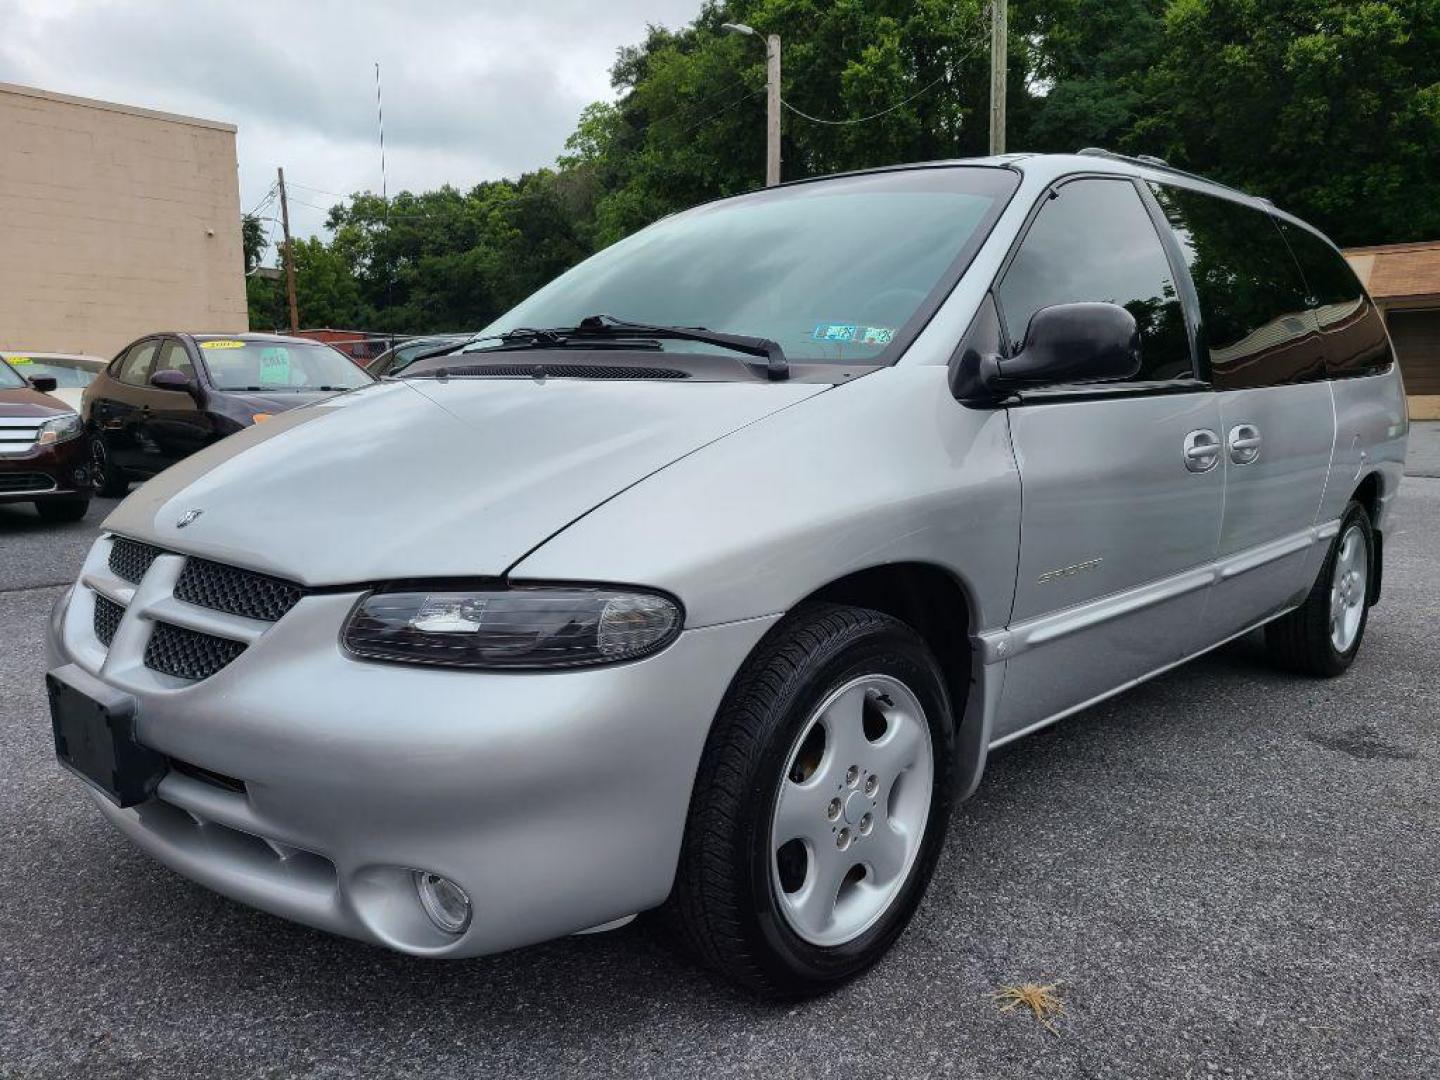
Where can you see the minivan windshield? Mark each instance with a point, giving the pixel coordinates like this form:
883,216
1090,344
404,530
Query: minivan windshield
9,380
832,270
279,366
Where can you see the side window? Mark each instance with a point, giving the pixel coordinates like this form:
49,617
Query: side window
1353,329
135,368
1252,300
173,357
1094,240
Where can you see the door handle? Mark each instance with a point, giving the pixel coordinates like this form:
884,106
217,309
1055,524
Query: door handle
1202,450
1244,441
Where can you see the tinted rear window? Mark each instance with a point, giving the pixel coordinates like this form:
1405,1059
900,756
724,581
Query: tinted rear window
1353,330
1252,298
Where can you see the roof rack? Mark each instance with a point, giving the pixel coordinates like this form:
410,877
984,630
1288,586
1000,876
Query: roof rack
1151,160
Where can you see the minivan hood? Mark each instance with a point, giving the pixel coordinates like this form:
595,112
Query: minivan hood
273,402
430,478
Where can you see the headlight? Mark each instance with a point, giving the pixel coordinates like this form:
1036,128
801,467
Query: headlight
530,627
59,429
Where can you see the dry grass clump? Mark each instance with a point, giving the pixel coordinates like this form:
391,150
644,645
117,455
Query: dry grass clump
1043,1001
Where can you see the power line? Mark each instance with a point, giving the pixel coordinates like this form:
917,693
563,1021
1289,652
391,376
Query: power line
706,119
886,111
269,194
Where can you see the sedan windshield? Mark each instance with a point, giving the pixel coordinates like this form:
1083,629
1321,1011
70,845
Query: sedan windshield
67,374
279,366
833,270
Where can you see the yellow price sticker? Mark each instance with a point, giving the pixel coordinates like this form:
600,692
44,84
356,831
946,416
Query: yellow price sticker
222,344
20,360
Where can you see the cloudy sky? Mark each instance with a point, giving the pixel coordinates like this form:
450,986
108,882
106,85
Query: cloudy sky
474,89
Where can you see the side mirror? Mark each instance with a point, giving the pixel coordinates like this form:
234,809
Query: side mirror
44,383
1071,343
172,380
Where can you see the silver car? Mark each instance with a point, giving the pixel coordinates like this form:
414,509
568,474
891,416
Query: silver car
706,578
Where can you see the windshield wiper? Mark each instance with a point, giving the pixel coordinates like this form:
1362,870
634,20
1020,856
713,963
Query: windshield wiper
597,328
608,326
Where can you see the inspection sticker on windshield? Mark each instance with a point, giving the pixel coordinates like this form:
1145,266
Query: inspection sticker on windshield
836,332
876,335
222,344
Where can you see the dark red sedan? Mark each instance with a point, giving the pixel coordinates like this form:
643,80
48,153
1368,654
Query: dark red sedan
42,453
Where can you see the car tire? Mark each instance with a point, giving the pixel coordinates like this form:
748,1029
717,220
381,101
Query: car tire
63,509
110,482
875,796
1322,635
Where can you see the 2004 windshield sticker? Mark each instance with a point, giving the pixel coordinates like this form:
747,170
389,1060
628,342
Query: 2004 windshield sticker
853,334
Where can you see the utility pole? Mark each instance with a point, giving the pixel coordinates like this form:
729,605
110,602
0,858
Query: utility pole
772,98
997,76
289,257
772,110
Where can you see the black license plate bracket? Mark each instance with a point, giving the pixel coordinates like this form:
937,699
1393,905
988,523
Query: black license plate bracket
94,728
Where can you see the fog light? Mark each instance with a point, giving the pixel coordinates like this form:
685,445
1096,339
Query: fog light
444,901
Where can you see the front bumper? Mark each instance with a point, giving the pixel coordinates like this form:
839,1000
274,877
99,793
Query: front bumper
557,800
58,471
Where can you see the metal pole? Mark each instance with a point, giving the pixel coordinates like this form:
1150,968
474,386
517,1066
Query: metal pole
772,110
289,258
380,117
997,76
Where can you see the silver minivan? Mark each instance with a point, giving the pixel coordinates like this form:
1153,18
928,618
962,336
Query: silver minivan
706,578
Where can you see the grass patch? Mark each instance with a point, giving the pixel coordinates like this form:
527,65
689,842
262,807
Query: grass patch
1043,1001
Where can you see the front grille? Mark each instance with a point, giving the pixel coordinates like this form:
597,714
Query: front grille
107,619
567,371
25,481
18,434
187,654
239,592
130,559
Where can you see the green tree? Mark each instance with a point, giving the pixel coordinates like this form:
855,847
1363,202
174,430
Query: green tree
1331,109
252,240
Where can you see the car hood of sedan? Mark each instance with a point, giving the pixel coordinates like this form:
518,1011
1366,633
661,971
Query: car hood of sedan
431,478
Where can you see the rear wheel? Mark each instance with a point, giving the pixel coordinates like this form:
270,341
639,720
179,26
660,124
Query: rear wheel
1322,636
63,509
820,805
110,482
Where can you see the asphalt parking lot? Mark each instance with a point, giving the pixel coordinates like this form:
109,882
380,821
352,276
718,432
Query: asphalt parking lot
1229,872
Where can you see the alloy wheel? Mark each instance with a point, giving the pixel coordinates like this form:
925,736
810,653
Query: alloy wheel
1348,585
852,808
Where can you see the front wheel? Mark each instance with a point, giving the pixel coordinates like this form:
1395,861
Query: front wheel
110,482
1322,635
821,803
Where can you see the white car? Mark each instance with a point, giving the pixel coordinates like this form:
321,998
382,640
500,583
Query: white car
72,372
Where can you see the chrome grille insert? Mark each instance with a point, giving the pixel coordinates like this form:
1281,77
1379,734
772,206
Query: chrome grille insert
18,434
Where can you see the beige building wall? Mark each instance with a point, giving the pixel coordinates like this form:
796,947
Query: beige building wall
114,222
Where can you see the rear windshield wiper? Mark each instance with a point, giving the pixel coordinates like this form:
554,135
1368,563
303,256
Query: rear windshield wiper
607,328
